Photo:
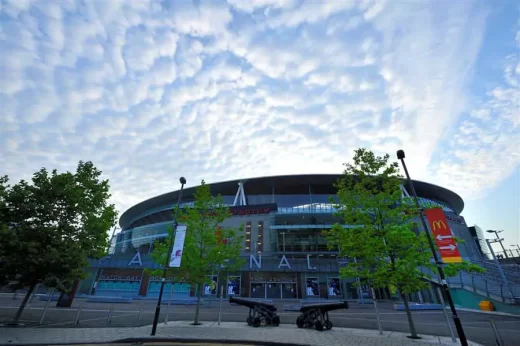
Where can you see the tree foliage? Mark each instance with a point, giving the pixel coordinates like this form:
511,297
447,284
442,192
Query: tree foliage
382,234
208,245
381,239
49,227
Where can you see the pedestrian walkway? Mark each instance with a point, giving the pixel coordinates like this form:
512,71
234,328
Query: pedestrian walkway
226,331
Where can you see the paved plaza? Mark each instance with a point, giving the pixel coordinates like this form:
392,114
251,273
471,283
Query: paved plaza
226,331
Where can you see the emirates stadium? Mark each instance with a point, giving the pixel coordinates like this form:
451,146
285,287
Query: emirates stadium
286,255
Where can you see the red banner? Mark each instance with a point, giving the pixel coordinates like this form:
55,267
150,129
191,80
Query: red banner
443,236
219,236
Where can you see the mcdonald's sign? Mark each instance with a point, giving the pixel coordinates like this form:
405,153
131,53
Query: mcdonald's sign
438,225
443,236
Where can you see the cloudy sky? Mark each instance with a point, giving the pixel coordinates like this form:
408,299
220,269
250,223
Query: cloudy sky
215,90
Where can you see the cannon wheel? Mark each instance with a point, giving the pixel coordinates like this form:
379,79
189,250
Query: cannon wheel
328,324
299,322
318,325
276,321
257,322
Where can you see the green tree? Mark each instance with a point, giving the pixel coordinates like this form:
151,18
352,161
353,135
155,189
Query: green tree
48,229
383,236
208,246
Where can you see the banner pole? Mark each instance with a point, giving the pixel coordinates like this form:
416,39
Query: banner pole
439,263
167,260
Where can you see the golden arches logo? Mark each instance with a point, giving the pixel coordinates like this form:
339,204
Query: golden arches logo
437,224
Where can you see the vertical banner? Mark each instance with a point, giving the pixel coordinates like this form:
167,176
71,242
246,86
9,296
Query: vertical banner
178,246
334,287
313,288
443,236
211,288
233,285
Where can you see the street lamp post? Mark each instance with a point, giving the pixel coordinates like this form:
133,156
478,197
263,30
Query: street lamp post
456,319
500,269
499,240
167,260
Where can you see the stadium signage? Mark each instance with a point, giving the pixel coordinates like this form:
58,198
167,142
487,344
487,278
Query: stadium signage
284,263
120,277
443,236
245,210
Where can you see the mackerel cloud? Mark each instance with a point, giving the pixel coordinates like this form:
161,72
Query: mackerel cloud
152,90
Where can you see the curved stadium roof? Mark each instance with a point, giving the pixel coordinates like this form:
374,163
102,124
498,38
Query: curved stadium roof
283,185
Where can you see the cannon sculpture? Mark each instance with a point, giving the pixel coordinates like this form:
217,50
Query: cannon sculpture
258,312
317,315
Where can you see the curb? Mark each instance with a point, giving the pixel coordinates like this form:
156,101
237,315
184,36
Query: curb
497,313
164,339
58,343
204,341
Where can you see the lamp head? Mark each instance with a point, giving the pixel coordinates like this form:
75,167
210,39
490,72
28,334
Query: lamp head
182,180
400,154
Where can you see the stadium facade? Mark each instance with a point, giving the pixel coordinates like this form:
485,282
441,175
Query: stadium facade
286,255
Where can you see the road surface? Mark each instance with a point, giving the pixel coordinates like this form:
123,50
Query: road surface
140,313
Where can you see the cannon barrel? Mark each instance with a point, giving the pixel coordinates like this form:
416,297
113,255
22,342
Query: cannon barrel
325,307
252,303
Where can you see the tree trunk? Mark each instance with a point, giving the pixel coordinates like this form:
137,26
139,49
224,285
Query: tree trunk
16,318
199,293
409,316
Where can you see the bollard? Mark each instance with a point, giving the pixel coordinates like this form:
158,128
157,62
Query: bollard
109,319
220,304
77,315
139,315
497,334
46,306
453,338
168,306
377,312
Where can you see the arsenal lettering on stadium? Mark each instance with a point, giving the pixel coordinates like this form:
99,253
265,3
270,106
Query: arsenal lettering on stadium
443,236
253,210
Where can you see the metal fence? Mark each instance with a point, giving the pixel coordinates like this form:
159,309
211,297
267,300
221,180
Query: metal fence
480,284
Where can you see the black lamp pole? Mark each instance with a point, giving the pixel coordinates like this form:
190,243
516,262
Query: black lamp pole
167,261
456,320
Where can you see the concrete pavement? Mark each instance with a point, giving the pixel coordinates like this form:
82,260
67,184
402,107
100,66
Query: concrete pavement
211,331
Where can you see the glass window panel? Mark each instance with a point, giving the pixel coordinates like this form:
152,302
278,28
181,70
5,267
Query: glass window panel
301,240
